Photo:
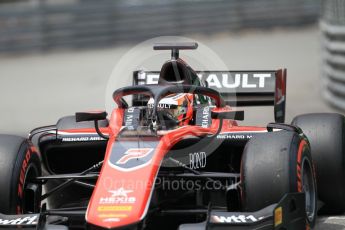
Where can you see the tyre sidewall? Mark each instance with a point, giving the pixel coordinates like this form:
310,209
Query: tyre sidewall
28,161
279,177
304,156
26,158
326,133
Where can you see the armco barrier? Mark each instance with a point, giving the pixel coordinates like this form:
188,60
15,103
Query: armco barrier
41,25
333,42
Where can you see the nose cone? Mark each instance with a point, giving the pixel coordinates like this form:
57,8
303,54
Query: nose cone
123,190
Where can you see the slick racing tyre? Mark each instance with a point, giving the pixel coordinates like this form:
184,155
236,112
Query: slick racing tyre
326,134
19,163
274,164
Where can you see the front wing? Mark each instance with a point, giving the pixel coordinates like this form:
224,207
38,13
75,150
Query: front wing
289,213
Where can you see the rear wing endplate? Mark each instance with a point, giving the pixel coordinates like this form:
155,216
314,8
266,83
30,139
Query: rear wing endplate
238,88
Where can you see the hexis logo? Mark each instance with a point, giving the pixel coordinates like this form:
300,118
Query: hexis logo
118,196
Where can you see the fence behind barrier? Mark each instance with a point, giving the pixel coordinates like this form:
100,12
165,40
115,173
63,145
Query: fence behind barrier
45,25
333,66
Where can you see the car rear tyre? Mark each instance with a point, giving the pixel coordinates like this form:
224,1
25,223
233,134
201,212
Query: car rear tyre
19,162
326,134
274,164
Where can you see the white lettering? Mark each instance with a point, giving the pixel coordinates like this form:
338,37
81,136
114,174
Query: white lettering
197,160
213,81
245,83
234,219
129,120
152,79
232,84
130,110
205,117
262,77
20,221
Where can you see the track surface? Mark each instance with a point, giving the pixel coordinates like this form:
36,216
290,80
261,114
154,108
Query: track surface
38,89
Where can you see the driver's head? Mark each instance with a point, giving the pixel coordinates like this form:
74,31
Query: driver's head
174,110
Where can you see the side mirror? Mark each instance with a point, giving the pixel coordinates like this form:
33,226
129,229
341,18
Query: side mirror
233,115
286,127
90,116
223,115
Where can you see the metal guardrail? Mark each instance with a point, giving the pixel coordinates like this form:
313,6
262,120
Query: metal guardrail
45,25
333,66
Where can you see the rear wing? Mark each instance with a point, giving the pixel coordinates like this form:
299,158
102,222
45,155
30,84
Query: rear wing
238,88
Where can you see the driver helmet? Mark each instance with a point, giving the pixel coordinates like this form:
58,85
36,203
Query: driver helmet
174,109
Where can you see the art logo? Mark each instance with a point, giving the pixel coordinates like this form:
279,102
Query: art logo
133,154
129,159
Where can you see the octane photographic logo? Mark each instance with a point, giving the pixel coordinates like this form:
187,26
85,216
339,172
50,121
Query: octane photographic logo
142,58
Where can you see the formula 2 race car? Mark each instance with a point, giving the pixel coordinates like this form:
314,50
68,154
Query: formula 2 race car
173,156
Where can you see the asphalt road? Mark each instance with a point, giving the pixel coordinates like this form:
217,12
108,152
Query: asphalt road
37,89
